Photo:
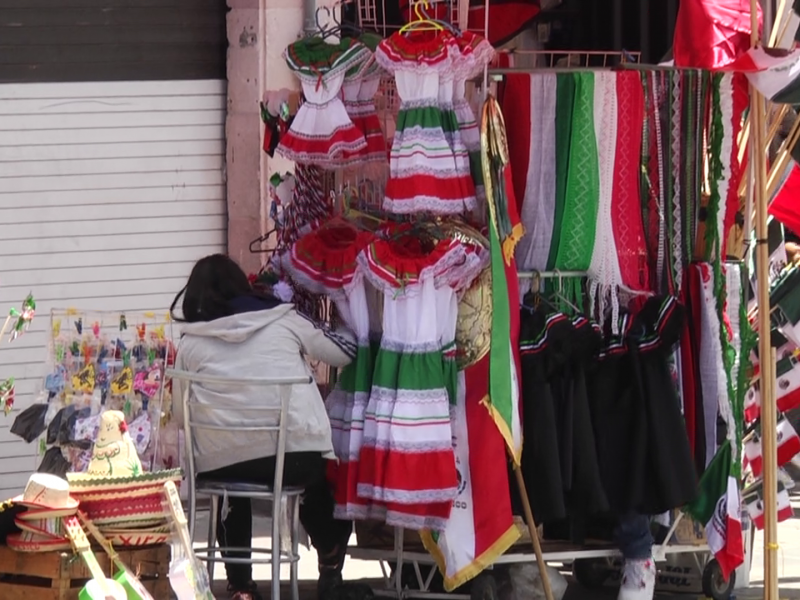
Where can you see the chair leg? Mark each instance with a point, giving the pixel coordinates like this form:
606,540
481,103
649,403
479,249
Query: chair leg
192,511
295,533
275,544
212,535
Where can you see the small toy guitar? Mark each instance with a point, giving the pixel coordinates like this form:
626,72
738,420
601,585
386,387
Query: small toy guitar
187,575
125,577
98,588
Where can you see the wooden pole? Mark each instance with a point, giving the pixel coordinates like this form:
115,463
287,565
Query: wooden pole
537,546
766,353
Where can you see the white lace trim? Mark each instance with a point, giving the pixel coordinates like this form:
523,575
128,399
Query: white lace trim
428,204
412,498
414,522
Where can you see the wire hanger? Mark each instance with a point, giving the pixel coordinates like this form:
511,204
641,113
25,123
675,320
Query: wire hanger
445,24
560,296
421,23
256,246
323,31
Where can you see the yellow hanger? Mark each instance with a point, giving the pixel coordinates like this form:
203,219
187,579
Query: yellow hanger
421,23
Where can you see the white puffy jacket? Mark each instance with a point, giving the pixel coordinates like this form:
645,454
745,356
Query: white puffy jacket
266,343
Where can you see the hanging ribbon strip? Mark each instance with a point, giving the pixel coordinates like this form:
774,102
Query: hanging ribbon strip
626,208
577,219
721,158
604,271
538,206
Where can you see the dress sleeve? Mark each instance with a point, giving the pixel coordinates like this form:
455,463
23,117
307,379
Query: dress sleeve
336,348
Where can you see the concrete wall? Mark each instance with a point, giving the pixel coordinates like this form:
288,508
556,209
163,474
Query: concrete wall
256,40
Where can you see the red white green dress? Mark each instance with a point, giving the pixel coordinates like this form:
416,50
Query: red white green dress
359,101
322,132
324,262
474,53
424,174
407,466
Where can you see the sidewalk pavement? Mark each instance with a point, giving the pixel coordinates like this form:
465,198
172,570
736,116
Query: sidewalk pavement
370,571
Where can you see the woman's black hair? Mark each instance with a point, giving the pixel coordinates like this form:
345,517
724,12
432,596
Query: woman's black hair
215,281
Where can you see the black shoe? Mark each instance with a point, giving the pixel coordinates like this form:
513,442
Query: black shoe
331,587
330,580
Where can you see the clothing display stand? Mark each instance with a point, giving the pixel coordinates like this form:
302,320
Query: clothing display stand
421,564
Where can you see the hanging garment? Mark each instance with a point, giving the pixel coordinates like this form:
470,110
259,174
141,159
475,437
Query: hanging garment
321,131
784,206
560,461
407,462
358,93
450,124
424,174
583,487
531,100
475,53
544,347
481,525
643,452
324,262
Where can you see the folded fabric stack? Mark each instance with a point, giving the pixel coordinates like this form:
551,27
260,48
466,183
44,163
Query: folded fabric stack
124,503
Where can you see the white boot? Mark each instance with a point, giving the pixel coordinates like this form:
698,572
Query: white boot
638,580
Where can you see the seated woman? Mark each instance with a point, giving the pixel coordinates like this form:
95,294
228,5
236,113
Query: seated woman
231,331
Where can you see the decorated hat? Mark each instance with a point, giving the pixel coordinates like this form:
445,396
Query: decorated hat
47,493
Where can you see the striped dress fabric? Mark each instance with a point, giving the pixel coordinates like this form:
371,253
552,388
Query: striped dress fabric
429,162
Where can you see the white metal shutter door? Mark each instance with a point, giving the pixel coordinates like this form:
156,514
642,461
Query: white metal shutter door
108,194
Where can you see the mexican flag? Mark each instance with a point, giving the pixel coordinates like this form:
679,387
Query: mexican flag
754,499
481,525
773,72
788,447
784,205
718,506
505,230
787,390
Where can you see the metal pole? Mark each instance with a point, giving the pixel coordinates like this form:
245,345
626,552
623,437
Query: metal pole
617,24
644,31
309,11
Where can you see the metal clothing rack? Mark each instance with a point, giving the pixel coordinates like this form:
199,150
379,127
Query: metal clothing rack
550,274
398,562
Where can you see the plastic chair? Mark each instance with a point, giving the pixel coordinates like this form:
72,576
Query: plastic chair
196,418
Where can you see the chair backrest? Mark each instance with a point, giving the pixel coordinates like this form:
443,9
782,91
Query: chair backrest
193,421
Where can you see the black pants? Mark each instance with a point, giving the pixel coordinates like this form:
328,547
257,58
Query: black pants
301,469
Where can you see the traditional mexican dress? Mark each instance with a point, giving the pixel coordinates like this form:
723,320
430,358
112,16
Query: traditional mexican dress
324,262
407,463
473,53
322,132
452,130
361,106
424,174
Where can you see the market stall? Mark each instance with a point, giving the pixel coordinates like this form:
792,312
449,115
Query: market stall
107,467
607,208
